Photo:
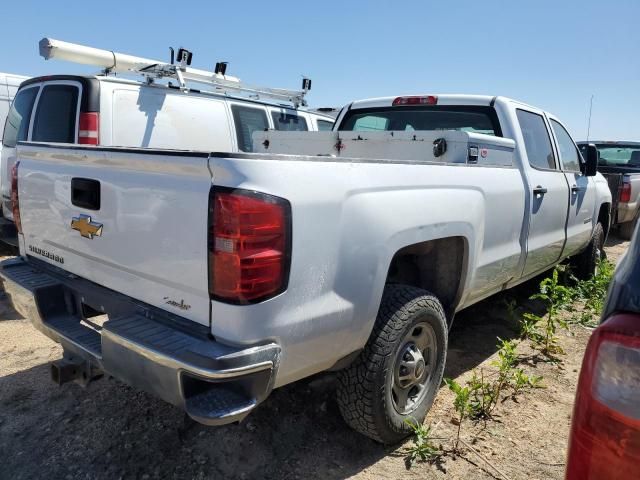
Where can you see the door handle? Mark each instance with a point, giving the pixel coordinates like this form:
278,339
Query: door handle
575,189
85,193
539,190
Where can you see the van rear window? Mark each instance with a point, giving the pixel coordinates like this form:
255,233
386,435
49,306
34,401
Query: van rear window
16,127
248,120
56,113
325,126
439,117
289,122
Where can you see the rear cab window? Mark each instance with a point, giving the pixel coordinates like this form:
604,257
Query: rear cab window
536,140
289,122
248,120
437,117
16,127
57,113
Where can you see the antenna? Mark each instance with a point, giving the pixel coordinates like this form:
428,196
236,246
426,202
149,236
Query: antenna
114,62
589,124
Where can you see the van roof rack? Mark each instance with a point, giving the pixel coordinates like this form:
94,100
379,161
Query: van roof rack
113,62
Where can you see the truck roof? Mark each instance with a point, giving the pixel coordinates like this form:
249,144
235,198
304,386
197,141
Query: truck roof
609,142
129,81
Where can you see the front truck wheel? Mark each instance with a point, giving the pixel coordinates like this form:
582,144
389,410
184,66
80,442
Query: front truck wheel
398,373
585,264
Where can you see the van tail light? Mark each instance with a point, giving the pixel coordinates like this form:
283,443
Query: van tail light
605,433
428,100
88,131
15,202
625,192
249,245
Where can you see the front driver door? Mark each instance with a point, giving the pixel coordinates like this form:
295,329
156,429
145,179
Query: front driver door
582,192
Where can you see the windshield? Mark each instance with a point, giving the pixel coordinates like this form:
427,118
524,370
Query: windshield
620,155
446,117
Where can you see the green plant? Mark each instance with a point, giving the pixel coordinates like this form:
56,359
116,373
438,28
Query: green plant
483,396
593,292
423,448
542,330
520,381
460,403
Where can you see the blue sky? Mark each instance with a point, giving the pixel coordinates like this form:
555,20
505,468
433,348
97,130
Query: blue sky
552,54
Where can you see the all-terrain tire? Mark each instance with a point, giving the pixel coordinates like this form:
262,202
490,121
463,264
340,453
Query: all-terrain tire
364,390
584,265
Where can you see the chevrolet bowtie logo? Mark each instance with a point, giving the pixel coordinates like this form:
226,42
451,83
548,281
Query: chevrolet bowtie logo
86,227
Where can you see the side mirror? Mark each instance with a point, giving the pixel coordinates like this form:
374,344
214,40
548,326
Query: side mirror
591,161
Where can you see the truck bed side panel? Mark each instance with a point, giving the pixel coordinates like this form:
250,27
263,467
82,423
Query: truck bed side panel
349,219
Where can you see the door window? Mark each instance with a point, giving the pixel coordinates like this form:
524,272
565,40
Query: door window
536,140
248,120
56,113
568,152
16,127
289,122
325,126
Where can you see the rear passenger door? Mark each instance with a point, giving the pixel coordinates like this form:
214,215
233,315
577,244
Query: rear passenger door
548,194
582,192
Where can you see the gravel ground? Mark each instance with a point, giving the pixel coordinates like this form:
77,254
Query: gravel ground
110,430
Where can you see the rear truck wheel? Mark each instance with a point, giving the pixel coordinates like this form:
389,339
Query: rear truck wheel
626,229
585,264
398,373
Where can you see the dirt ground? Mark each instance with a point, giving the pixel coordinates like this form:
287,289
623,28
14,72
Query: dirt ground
110,430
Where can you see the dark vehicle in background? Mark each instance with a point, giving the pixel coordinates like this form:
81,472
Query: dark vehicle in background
619,162
604,442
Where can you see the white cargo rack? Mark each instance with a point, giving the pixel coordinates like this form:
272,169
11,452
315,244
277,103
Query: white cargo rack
113,62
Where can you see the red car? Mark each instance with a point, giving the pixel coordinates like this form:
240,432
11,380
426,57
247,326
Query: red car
604,442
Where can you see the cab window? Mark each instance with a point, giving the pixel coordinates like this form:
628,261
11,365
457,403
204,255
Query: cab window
248,120
325,126
289,122
536,140
16,127
569,156
56,114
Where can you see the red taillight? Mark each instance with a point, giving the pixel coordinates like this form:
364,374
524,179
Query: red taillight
605,433
428,100
625,192
88,130
15,203
249,246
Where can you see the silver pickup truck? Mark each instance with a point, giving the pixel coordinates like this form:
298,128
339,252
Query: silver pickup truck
209,279
619,163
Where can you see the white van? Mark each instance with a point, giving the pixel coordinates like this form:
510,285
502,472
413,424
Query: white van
112,111
9,84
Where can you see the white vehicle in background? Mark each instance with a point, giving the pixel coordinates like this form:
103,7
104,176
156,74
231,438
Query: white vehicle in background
107,110
9,84
225,275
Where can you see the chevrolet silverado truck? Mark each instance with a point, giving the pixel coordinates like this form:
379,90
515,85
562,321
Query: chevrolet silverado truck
209,279
619,163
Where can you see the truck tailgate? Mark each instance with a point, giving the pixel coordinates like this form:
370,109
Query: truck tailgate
131,220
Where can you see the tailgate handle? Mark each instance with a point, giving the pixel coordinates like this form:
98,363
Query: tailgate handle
85,193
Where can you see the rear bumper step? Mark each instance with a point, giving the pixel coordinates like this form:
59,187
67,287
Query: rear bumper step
147,348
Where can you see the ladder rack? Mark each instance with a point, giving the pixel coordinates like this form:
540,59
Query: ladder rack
114,62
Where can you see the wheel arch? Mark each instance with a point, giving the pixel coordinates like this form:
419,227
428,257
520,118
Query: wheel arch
439,266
